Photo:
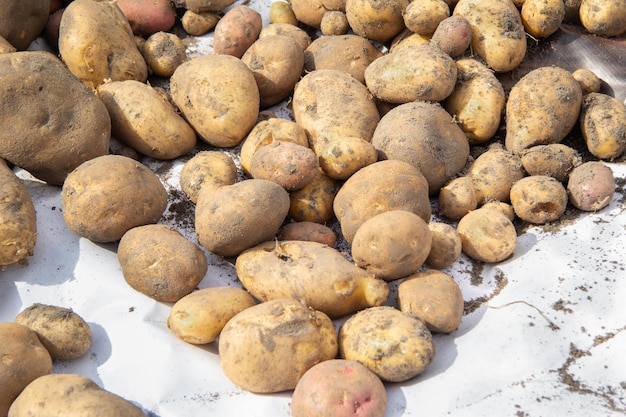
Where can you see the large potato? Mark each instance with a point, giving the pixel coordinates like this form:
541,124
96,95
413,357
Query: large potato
498,35
268,347
235,217
143,120
70,395
424,135
299,35
420,72
218,96
21,21
603,125
317,275
18,219
97,43
542,108
377,20
105,197
56,122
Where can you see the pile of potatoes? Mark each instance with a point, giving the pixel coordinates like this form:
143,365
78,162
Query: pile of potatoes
393,150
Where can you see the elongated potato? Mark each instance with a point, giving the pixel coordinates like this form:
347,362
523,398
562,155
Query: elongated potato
603,125
308,231
237,30
18,219
317,275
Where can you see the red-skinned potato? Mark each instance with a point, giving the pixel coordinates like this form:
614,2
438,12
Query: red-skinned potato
148,16
236,31
591,186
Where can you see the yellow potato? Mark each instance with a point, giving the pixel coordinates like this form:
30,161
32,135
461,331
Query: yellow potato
493,173
603,17
457,198
538,199
376,20
542,18
314,202
342,157
487,234
446,245
207,168
603,125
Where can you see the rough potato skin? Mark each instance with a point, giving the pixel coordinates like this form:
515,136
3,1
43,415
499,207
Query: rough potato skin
604,18
538,199
308,231
314,202
453,35
207,168
376,20
487,234
21,21
556,160
288,164
603,125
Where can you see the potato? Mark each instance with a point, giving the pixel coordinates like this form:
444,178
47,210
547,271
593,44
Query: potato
407,38
339,388
528,123
276,62
334,23
106,196
446,245
288,164
281,12
487,235
453,35
423,16
57,122
342,157
420,72
396,346
424,135
308,231
299,35
268,347
200,316
457,198
311,272
591,186
200,6
477,101
21,21
555,160
309,12
70,395
147,17
588,80
542,18
235,217
267,131
64,334
538,199
143,120
604,18
349,53
160,262
498,35
314,202
376,20
319,108
199,23
5,46
494,172
377,188
164,52
392,244
18,219
207,168
96,43
218,96
603,125
24,359
236,31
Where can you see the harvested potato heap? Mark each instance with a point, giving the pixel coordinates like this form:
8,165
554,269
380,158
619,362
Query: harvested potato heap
389,106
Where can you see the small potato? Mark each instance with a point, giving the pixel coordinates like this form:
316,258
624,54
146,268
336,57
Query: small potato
493,173
396,346
334,23
446,245
392,244
316,274
207,168
435,298
308,231
488,235
604,18
555,160
267,348
299,35
314,202
591,186
376,20
236,31
164,52
589,81
24,359
453,35
62,332
603,125
198,24
423,16
200,316
342,157
288,164
542,18
457,198
281,12
538,199
107,196
339,388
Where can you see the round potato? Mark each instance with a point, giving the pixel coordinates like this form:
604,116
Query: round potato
288,164
591,186
164,52
493,173
314,202
342,157
604,18
376,20
538,199
446,245
396,346
603,125
453,35
555,160
106,196
62,332
200,316
487,235
588,80
541,18
309,12
207,168
268,347
21,21
334,23
423,16
457,198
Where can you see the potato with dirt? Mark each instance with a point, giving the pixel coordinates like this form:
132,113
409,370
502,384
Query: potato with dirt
603,125
267,348
602,17
555,160
342,157
308,231
591,186
163,52
588,80
494,172
199,23
297,34
21,21
288,164
57,122
281,12
314,202
487,235
237,30
423,16
207,168
445,247
453,35
316,274
376,20
457,198
539,199
334,23
542,18
147,17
